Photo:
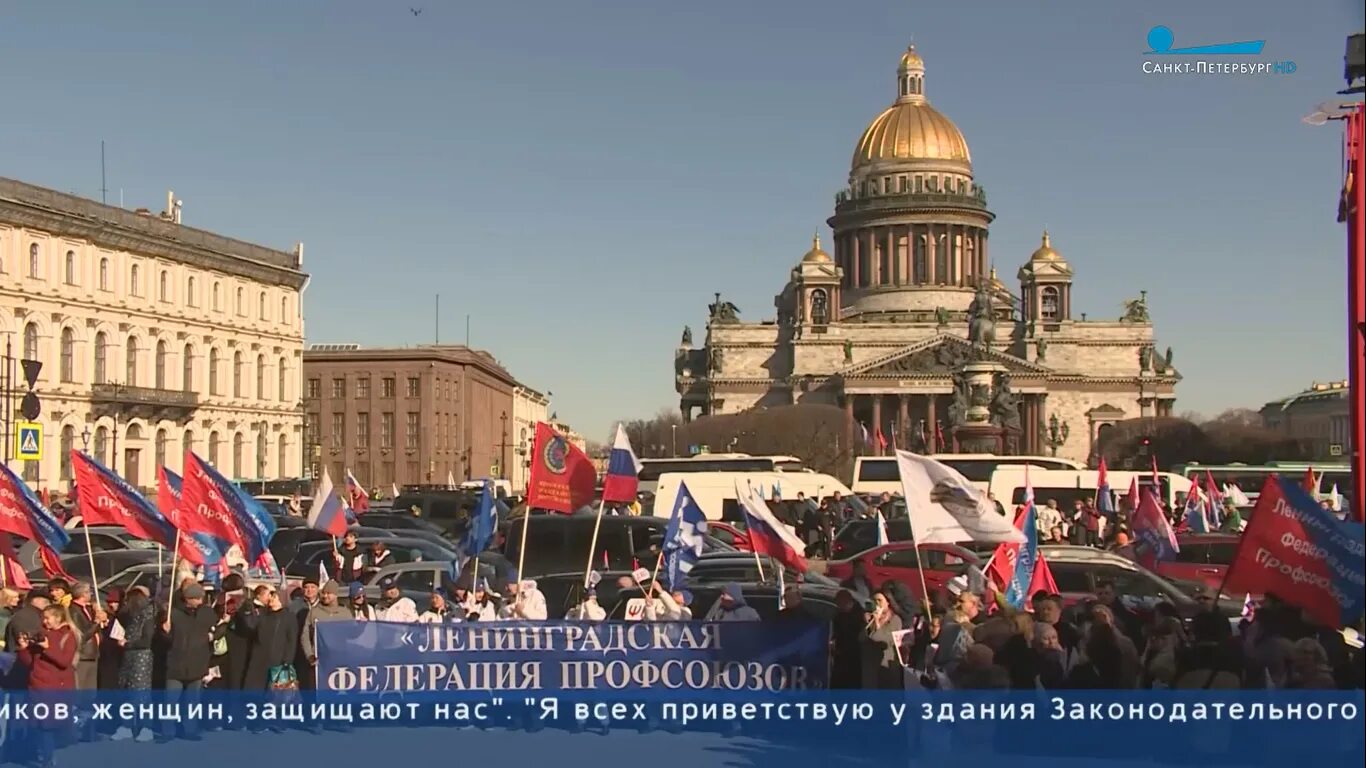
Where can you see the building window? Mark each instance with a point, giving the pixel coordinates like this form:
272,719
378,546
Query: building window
131,373
237,374
284,307
414,386
104,274
414,472
101,358
134,281
241,305
386,387
338,389
260,377
338,429
102,446
362,430
34,267
187,442
261,305
187,370
68,443
280,373
70,268
68,358
820,307
160,447
386,470
282,469
160,370
261,450
217,300
31,341
363,389
386,430
164,287
1048,303
237,455
191,298
213,372
315,389
413,435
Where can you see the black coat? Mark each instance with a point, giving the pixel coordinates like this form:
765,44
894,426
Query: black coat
190,651
241,636
277,635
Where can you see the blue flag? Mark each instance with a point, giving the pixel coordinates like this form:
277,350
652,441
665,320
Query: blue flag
1017,591
251,519
203,549
482,524
683,539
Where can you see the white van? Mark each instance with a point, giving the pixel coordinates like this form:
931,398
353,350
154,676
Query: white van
878,474
714,492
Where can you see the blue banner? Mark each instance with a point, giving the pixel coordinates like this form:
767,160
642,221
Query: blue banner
377,657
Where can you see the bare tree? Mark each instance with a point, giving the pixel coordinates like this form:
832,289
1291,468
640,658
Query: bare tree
812,433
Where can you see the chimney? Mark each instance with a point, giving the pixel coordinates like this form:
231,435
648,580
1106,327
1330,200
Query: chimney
175,211
298,254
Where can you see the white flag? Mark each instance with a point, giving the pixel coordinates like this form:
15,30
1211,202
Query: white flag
944,507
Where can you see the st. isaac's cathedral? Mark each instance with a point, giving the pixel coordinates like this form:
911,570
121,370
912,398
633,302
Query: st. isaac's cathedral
905,324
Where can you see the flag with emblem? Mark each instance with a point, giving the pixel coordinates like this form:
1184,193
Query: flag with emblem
562,477
683,538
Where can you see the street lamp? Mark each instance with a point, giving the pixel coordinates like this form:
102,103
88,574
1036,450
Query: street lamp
503,453
85,439
1055,434
673,429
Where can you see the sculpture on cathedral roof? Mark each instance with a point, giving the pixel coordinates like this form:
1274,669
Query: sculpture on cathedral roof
723,311
848,351
1136,310
1042,345
1145,358
687,336
941,316
1167,363
981,321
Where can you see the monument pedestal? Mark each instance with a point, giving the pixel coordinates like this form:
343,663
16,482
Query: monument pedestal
980,438
978,434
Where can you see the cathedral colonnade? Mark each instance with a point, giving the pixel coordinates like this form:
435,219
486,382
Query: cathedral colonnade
907,421
913,254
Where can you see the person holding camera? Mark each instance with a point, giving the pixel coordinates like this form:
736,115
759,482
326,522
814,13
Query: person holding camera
49,654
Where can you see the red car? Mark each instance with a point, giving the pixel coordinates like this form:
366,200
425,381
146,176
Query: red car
729,534
1203,557
897,561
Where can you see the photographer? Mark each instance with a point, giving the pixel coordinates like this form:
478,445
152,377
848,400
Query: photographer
49,654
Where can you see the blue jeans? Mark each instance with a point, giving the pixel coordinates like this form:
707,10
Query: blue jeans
184,692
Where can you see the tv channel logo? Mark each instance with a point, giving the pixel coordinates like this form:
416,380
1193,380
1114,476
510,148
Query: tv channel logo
1189,60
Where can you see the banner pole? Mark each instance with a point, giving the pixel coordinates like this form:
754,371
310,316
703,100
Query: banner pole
521,549
90,553
170,593
4,573
592,545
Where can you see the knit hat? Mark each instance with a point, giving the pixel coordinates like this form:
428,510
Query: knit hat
357,590
331,588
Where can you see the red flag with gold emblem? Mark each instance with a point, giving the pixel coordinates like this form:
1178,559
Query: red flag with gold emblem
562,476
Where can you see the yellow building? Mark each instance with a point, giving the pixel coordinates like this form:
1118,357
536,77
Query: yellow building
154,338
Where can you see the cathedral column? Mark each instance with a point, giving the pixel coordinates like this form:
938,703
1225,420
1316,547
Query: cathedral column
873,274
856,253
893,257
877,423
849,422
931,253
903,421
931,421
910,255
982,251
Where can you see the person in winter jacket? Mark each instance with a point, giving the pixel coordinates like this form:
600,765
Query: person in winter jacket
392,605
378,557
485,604
733,605
360,609
588,610
191,629
328,609
86,621
348,561
439,612
277,634
27,620
666,606
50,657
524,601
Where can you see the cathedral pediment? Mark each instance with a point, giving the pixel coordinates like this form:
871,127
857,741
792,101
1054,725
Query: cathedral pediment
938,356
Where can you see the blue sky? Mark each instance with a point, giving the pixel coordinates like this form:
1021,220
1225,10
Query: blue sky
580,177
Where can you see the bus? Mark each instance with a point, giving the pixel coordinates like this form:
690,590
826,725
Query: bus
874,475
1068,486
1250,477
651,469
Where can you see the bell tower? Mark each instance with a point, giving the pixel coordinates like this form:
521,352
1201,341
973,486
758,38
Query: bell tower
1046,286
816,288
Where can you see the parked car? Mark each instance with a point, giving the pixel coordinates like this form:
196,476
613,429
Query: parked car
741,567
310,555
103,538
1077,571
107,565
730,534
403,521
818,599
901,561
859,536
286,541
1202,557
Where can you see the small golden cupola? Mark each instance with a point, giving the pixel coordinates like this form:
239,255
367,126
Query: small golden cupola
816,287
1046,285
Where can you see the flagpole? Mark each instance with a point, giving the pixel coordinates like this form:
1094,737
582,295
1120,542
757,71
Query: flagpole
521,549
4,573
750,531
90,553
170,593
592,544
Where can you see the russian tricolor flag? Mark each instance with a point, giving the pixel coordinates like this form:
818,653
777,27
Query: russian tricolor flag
327,512
1104,503
621,482
767,536
360,500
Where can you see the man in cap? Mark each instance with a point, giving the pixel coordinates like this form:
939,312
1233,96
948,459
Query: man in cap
392,605
327,609
191,629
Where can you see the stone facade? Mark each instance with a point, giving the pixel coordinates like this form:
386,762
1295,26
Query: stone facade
885,326
155,338
528,407
1319,416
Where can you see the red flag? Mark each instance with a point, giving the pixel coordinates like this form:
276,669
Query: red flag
1042,581
939,437
202,507
879,439
1157,481
15,578
1311,483
1132,497
562,476
52,564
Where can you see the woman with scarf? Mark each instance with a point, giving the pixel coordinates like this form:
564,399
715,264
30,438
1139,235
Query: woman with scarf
881,663
138,619
440,612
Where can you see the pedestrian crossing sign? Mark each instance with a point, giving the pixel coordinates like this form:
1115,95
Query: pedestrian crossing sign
28,441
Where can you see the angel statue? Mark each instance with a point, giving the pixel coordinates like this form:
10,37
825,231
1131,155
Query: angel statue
1136,310
1005,405
958,406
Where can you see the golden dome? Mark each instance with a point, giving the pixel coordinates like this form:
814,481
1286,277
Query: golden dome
911,60
1046,252
996,281
911,129
816,255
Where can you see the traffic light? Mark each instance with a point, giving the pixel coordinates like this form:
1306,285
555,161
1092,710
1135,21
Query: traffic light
1144,445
